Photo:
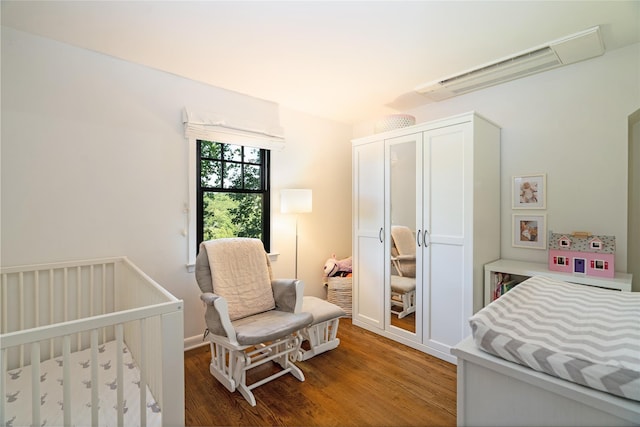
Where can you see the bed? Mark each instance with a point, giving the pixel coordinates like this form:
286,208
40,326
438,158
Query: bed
94,342
552,353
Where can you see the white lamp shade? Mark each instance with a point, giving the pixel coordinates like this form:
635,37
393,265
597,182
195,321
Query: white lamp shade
295,201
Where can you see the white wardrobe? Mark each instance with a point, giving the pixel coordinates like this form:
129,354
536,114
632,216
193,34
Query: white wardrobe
441,180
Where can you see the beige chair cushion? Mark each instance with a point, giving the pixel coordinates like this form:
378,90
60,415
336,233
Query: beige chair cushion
321,310
241,273
402,285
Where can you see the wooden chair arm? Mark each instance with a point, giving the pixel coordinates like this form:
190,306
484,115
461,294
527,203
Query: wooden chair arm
217,316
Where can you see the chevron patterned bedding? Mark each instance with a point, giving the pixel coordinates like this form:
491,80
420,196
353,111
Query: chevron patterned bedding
586,335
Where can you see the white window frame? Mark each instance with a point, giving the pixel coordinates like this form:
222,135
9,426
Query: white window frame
210,128
190,208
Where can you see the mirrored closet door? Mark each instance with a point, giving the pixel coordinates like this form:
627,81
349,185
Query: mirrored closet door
403,290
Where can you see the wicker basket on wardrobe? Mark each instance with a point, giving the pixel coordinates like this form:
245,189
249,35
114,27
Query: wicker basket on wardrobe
339,292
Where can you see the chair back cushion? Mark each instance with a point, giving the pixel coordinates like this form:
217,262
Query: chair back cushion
403,240
203,271
240,273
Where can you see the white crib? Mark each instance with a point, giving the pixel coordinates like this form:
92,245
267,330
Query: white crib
57,314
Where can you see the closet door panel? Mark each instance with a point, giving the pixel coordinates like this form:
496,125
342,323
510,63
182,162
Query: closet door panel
445,213
445,296
370,277
445,166
369,186
368,226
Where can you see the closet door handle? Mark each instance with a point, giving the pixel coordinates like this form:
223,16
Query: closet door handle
418,239
380,236
424,238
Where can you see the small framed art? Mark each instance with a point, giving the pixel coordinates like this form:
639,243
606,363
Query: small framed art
529,231
529,192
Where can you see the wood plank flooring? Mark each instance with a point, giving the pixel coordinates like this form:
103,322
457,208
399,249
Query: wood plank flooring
367,381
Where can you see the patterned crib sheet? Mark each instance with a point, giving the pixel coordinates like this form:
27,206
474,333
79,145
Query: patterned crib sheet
18,391
586,335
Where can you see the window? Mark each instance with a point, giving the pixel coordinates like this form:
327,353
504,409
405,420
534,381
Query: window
232,192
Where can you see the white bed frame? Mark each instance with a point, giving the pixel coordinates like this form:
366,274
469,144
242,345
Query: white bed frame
496,392
71,306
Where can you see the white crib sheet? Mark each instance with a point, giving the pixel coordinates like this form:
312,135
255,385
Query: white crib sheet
18,391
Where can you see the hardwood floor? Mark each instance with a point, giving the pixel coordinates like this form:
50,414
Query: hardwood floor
407,323
367,381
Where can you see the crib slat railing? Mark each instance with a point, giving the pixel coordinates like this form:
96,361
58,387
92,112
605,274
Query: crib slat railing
104,298
67,404
120,375
13,339
48,293
66,380
91,288
61,264
94,378
35,384
143,298
143,375
142,290
51,341
5,304
21,308
36,277
71,329
65,301
78,303
3,386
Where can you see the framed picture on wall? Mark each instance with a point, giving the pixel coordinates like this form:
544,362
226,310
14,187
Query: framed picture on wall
529,192
529,231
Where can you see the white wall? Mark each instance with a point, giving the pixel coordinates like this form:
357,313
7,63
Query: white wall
318,156
570,123
94,163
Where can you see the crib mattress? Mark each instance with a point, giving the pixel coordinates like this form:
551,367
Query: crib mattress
586,335
18,393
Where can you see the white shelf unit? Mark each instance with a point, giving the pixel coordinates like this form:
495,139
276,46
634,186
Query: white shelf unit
521,270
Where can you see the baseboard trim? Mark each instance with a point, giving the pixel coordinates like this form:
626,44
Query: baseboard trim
194,342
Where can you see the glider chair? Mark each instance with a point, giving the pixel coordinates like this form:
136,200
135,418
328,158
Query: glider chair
403,284
403,251
251,318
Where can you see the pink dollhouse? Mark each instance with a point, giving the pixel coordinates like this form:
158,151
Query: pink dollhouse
582,253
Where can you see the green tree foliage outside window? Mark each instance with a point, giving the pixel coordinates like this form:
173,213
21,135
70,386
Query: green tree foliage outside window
233,191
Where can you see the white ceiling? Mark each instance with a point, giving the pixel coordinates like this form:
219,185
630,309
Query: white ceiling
347,61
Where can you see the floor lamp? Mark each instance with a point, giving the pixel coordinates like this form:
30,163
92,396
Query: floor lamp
295,201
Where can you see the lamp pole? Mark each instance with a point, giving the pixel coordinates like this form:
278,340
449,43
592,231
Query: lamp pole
296,201
296,268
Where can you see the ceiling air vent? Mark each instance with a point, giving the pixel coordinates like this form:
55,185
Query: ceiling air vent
577,47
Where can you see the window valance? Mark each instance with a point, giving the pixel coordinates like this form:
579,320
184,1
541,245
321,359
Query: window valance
217,127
